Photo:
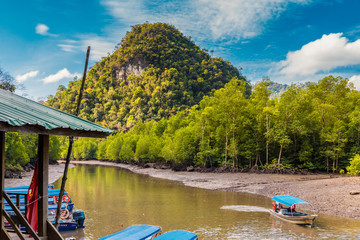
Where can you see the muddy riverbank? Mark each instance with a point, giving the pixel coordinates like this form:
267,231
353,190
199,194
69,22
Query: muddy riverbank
55,172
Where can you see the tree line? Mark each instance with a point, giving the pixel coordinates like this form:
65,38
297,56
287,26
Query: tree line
314,127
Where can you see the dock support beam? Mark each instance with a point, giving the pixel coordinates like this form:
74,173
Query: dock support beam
2,182
43,179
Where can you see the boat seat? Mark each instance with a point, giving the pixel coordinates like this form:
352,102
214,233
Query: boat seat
136,232
178,235
284,211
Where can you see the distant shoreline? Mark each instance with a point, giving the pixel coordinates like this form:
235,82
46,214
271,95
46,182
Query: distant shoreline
55,172
327,194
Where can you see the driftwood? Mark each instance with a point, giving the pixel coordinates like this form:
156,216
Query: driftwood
354,193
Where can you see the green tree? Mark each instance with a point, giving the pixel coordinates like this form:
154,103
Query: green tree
15,152
354,168
7,82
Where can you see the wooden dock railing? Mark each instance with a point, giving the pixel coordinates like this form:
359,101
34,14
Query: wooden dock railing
19,219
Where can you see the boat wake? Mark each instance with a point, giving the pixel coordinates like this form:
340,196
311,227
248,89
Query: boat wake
245,208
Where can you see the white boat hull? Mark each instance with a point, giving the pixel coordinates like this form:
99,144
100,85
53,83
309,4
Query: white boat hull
307,219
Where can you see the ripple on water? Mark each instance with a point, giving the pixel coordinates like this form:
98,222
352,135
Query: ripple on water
245,208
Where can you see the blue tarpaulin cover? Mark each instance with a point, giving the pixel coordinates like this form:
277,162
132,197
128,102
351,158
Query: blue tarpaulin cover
51,193
288,200
24,187
22,208
137,232
178,235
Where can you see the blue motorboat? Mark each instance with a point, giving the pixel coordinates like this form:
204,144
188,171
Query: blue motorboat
284,207
136,232
69,219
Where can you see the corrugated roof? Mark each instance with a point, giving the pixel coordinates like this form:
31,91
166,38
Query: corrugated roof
17,111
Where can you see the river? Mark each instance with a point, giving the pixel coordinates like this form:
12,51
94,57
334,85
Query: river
114,199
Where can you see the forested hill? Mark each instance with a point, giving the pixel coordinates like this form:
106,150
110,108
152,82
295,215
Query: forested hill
155,72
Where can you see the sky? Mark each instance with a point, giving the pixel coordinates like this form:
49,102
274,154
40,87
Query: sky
43,43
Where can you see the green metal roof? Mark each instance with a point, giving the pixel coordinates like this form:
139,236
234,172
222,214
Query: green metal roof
24,115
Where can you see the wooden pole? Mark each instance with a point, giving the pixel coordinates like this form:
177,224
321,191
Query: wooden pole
43,179
2,178
71,141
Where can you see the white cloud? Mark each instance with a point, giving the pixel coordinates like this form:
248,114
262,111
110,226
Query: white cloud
62,74
241,19
324,54
24,77
202,19
356,81
127,11
67,47
42,29
100,46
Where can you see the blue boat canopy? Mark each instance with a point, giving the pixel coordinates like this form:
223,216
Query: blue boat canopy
136,232
288,200
178,235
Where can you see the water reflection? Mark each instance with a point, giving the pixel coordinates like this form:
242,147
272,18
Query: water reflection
114,199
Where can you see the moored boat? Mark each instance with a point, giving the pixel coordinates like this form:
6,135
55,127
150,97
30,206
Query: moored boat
140,232
284,207
147,232
70,219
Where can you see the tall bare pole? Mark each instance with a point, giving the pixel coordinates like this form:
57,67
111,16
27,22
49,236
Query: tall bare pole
71,141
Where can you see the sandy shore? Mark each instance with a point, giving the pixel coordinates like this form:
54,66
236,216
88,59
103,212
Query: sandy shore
329,195
55,172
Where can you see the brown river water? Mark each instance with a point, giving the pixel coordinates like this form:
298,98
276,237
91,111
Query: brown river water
114,199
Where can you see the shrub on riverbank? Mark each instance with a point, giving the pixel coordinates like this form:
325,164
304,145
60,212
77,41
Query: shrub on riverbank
354,168
21,148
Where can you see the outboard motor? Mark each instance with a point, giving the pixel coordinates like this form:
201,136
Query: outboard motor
79,217
70,207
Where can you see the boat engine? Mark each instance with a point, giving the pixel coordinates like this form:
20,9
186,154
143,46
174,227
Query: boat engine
79,217
70,207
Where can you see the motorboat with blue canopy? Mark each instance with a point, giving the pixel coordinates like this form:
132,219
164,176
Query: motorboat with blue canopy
178,235
136,232
284,207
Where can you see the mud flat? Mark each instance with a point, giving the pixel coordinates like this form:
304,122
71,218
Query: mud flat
55,172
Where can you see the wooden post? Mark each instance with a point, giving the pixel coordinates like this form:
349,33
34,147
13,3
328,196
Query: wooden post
2,178
71,141
43,179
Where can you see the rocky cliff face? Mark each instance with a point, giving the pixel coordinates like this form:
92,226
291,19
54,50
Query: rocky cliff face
135,67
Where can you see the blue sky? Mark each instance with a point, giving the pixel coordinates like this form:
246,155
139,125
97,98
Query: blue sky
43,43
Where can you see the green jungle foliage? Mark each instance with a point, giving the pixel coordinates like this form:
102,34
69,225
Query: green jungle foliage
354,168
316,127
21,148
155,72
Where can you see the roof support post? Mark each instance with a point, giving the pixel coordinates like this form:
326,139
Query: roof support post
43,179
2,177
